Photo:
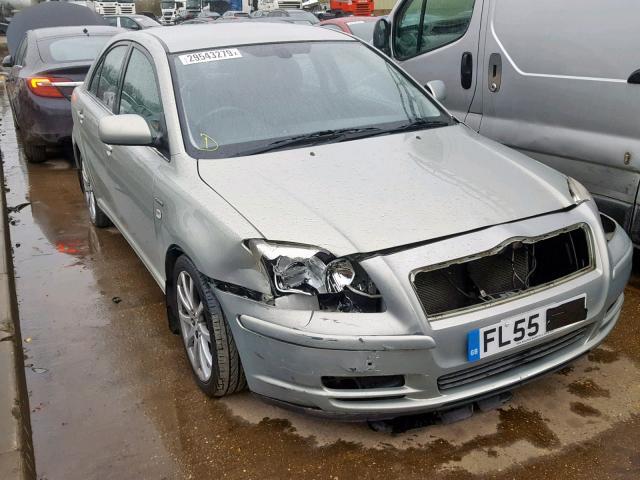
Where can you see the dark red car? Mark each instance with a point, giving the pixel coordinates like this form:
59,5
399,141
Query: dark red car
361,27
46,66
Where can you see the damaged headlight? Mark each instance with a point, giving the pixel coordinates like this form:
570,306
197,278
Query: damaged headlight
338,283
578,191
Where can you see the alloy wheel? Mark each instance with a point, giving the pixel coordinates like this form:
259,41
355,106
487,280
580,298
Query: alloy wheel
193,326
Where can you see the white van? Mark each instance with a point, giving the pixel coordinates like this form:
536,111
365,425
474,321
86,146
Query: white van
559,81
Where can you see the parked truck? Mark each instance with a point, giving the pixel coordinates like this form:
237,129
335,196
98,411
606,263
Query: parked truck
172,11
108,7
279,4
361,8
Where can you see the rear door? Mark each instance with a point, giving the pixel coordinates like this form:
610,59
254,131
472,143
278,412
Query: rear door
94,103
439,40
557,88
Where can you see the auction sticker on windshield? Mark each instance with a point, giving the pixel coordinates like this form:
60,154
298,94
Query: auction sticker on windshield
210,56
524,328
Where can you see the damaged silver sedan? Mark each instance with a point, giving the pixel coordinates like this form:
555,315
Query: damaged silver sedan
327,234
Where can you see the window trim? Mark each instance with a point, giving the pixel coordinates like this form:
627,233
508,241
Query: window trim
423,11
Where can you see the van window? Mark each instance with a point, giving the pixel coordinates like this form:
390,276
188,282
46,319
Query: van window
426,25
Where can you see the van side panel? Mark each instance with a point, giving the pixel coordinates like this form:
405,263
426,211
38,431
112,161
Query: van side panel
563,96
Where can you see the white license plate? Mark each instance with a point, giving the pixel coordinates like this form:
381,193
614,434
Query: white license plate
513,331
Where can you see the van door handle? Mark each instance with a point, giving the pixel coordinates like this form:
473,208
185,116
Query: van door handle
80,116
108,149
466,70
634,78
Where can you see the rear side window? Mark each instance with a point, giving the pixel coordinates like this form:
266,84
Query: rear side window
20,53
71,49
110,75
426,25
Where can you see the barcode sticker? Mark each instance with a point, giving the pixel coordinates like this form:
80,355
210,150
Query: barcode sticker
210,56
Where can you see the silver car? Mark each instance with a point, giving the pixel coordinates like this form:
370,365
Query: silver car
359,254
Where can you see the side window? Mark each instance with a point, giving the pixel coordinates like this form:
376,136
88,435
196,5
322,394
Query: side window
113,21
140,95
20,53
426,25
110,75
126,22
95,79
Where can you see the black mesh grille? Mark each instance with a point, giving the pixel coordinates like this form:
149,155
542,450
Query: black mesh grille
516,268
503,364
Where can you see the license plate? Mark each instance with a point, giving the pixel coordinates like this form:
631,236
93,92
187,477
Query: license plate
523,328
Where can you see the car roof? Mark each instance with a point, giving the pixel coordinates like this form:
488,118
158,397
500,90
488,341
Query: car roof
49,32
196,37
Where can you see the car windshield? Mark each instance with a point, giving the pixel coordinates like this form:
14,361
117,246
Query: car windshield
363,30
167,5
71,49
250,99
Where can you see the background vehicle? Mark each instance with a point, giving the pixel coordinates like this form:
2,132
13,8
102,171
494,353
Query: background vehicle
192,9
221,6
207,15
361,8
132,22
112,7
279,4
46,67
171,11
361,27
229,14
371,306
520,72
295,14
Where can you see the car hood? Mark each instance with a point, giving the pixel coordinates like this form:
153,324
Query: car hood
372,194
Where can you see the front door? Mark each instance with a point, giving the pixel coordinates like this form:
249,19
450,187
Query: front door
133,168
439,40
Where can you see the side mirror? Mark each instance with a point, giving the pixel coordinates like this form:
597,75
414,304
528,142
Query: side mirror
7,61
126,129
381,35
437,89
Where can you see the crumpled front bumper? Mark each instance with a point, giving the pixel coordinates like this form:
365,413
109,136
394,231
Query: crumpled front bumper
286,353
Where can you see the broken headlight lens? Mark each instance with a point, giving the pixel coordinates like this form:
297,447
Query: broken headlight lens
578,191
337,282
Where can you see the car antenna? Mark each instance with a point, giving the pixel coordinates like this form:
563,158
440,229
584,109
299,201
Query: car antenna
85,31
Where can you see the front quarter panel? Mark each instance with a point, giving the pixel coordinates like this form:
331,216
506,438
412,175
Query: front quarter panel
204,226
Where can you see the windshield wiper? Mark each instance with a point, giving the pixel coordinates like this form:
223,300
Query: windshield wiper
419,124
316,137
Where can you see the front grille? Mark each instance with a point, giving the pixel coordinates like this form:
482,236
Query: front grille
109,10
519,266
126,9
504,364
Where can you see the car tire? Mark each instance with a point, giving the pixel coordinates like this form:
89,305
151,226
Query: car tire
35,153
206,335
96,215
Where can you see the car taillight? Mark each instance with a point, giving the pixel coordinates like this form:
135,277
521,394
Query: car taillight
43,86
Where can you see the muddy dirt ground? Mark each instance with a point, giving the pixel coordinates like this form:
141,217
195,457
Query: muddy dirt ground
112,395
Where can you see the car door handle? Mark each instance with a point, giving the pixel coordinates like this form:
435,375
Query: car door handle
108,149
466,70
80,116
634,78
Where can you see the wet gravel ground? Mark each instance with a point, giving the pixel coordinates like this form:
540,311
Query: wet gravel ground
112,396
